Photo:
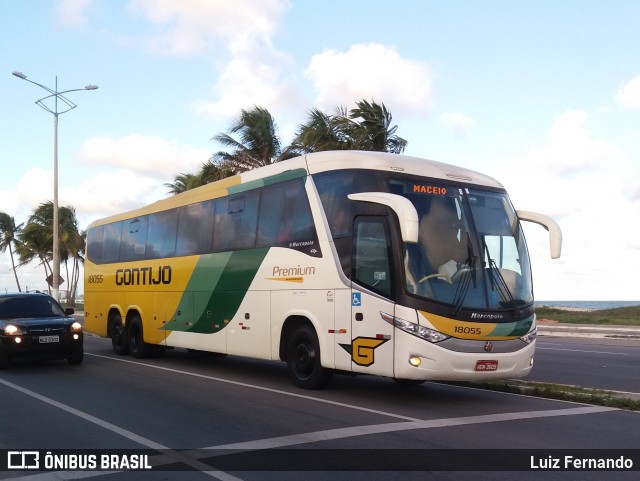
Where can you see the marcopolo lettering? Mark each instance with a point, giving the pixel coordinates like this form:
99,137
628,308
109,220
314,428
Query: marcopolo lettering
143,276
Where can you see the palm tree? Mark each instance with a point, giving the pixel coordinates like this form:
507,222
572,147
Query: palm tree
72,245
184,182
209,172
9,234
321,132
259,144
367,127
37,242
372,130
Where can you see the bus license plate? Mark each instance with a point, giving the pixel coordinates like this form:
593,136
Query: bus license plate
486,365
49,339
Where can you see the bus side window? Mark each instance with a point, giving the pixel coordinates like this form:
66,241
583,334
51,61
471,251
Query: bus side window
95,244
371,261
161,239
134,239
195,228
285,215
111,242
235,221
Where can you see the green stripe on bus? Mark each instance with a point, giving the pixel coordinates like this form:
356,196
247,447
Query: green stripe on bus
226,277
274,179
519,328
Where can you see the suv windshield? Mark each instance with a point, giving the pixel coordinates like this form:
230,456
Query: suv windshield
31,306
470,251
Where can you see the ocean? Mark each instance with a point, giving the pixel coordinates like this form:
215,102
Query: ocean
595,305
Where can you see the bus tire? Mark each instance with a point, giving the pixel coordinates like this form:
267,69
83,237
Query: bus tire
303,359
119,340
137,347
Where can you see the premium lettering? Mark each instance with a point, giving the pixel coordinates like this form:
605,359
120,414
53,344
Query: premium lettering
143,276
293,271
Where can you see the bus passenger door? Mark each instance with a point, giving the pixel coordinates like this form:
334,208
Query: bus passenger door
371,335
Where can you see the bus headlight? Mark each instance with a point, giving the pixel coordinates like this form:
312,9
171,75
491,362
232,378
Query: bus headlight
530,336
414,329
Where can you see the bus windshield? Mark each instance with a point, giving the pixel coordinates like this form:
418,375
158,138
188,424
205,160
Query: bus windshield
470,253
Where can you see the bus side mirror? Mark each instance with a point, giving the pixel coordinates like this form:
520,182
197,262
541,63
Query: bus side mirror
555,234
404,209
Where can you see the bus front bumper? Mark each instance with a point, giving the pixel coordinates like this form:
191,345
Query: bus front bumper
420,360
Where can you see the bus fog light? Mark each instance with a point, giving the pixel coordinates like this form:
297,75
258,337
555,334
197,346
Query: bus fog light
414,361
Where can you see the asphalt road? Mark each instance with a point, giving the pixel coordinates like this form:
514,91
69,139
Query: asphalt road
188,410
588,362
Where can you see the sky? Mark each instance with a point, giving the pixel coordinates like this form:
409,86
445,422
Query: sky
544,96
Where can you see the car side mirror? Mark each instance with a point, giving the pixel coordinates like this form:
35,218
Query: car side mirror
69,311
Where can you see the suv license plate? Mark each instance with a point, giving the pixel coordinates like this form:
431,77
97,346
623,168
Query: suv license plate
486,365
49,339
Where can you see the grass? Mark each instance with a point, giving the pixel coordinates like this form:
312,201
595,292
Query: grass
598,397
621,316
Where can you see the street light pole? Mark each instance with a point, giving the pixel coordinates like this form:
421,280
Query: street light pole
68,105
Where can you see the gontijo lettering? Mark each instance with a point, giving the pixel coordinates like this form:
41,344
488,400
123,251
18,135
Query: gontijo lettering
143,276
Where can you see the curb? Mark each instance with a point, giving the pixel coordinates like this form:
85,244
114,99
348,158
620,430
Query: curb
589,331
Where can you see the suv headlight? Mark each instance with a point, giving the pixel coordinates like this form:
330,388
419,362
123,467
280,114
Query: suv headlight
76,327
12,330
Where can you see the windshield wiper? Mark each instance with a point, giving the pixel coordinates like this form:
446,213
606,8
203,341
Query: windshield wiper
498,283
468,274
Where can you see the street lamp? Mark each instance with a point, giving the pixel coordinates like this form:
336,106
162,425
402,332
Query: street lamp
67,105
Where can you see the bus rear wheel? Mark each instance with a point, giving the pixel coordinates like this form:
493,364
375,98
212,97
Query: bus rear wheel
137,347
303,359
119,341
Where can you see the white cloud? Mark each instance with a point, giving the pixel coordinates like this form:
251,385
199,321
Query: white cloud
107,194
35,187
457,122
580,181
152,156
73,13
193,26
370,71
629,95
571,148
244,83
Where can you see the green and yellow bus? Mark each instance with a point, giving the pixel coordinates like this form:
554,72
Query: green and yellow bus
351,261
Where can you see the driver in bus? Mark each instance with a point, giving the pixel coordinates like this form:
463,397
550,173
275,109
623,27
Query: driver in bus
439,244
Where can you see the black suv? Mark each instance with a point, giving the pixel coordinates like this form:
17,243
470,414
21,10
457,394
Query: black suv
34,325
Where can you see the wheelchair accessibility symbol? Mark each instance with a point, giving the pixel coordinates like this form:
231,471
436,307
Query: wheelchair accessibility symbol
356,299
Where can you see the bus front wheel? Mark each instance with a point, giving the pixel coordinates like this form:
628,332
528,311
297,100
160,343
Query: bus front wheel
303,359
137,347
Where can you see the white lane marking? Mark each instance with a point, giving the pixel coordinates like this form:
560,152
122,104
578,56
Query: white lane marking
580,350
180,457
260,388
341,433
